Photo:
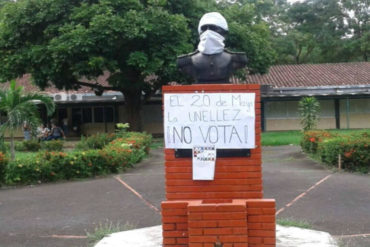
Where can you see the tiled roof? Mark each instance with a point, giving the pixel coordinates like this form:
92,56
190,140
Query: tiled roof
25,82
279,76
313,75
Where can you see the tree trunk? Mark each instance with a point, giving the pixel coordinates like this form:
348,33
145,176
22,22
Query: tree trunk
12,151
133,109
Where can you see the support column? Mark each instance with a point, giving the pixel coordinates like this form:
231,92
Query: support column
337,113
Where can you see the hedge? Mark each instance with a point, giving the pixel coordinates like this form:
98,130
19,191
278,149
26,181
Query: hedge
353,148
48,166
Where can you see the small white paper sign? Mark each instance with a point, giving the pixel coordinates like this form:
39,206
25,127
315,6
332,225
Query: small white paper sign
224,120
204,160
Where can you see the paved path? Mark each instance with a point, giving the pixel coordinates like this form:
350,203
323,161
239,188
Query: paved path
61,214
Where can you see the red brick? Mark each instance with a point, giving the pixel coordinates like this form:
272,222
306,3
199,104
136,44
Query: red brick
178,169
234,239
175,234
240,245
224,216
255,240
261,233
201,208
168,227
181,226
240,230
232,208
257,211
173,204
195,231
182,240
182,182
261,203
261,245
226,245
174,212
202,239
216,195
232,223
202,224
269,240
195,216
261,219
218,231
195,245
174,219
169,240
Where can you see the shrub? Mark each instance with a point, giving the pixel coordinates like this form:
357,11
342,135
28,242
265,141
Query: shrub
311,139
4,147
97,141
3,163
309,109
354,151
53,145
56,165
353,148
27,170
139,140
121,155
31,145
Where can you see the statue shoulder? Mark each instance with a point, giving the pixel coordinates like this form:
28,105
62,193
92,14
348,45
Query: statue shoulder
238,57
184,60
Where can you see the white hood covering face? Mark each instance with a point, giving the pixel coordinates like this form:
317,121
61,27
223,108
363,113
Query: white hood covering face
213,18
211,43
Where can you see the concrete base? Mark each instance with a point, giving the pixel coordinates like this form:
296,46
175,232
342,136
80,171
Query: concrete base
152,237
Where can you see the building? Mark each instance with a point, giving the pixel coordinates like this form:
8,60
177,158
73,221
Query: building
343,90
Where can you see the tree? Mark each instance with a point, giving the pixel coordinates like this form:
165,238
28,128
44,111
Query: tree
21,107
314,31
309,109
358,28
249,33
70,43
67,41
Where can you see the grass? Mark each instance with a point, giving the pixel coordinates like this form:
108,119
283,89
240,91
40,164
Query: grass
293,137
278,138
157,143
292,222
104,229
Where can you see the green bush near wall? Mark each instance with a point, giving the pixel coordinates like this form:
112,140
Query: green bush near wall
354,149
48,166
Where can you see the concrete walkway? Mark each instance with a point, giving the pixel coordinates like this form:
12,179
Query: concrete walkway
61,214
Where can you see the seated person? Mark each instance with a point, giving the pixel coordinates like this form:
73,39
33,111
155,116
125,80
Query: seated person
42,132
55,133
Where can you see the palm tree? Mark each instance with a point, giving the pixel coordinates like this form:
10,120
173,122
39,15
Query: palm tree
21,107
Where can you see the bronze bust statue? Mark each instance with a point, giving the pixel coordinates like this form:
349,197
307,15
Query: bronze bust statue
211,63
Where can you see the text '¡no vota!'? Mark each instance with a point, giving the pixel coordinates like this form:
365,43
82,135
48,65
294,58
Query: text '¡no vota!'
220,134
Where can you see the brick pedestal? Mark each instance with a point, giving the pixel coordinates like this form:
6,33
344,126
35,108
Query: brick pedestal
228,209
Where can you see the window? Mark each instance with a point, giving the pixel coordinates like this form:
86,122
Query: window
86,115
76,116
109,114
98,114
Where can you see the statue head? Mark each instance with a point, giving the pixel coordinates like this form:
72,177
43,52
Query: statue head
212,30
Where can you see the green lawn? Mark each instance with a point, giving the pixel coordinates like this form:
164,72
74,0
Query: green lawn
277,138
